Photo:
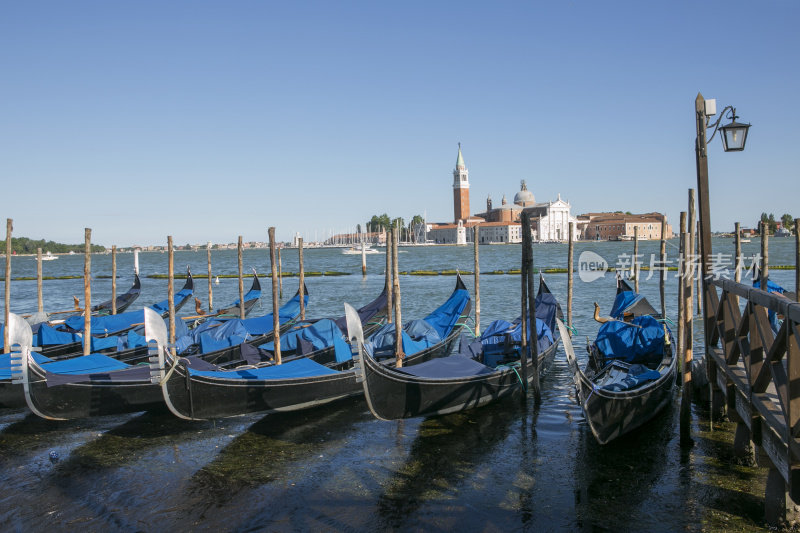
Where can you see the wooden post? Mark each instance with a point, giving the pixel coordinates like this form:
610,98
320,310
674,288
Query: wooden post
686,392
363,259
280,274
210,293
681,286
276,327
87,293
526,243
389,299
663,274
113,279
533,336
398,320
171,293
764,274
699,277
477,267
636,258
570,272
39,298
9,230
302,279
797,258
241,278
737,272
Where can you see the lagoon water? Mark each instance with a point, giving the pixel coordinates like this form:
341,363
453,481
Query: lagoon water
508,466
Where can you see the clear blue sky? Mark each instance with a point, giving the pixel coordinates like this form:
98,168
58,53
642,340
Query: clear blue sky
209,120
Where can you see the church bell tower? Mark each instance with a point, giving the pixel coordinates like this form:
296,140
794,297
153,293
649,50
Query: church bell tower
460,189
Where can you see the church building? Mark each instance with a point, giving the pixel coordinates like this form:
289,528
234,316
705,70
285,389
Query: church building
549,220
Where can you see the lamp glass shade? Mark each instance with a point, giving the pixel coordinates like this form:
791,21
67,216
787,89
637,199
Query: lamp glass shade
734,136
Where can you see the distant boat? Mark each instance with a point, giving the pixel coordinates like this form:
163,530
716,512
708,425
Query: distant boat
216,280
49,257
744,240
356,250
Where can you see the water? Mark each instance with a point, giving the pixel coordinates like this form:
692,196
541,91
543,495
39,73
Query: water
507,466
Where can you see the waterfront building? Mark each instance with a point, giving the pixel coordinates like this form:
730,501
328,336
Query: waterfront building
549,220
620,226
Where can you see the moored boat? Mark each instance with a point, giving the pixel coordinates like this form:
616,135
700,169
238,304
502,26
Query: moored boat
481,371
630,373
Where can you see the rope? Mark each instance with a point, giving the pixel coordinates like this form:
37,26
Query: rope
571,329
171,370
666,319
594,388
513,366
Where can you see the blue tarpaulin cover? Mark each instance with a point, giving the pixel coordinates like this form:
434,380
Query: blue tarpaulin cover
299,368
641,341
636,376
48,335
132,340
446,315
455,366
5,363
102,325
85,364
623,301
320,334
163,306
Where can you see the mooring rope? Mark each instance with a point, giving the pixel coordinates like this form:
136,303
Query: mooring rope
513,366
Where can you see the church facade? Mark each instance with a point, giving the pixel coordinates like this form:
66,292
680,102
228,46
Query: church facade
549,220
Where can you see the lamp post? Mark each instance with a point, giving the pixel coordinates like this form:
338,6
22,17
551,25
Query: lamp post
734,136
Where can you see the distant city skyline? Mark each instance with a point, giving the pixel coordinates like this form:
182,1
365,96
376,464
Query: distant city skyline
207,121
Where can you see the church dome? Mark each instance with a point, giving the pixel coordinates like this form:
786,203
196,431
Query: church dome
524,197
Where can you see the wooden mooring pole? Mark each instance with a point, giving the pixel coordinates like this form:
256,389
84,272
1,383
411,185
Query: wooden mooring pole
477,269
39,277
210,293
87,292
389,298
681,285
398,320
363,259
699,277
663,271
526,243
9,230
635,266
763,275
570,273
171,292
276,326
302,279
241,278
533,335
113,279
280,274
797,258
688,331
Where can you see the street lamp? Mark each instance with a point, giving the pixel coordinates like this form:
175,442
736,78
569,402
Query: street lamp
734,136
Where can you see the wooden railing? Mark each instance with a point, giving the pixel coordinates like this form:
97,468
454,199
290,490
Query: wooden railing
758,370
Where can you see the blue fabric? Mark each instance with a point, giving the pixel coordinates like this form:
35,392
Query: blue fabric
623,301
381,343
103,343
212,344
5,363
108,324
632,344
455,366
299,368
252,294
320,334
263,324
637,376
85,364
771,287
48,335
130,341
342,350
445,317
163,306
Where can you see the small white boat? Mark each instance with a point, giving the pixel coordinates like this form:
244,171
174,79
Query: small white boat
356,250
49,257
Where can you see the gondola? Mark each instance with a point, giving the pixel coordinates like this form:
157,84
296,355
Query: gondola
250,299
481,371
89,385
196,391
63,339
631,369
123,300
